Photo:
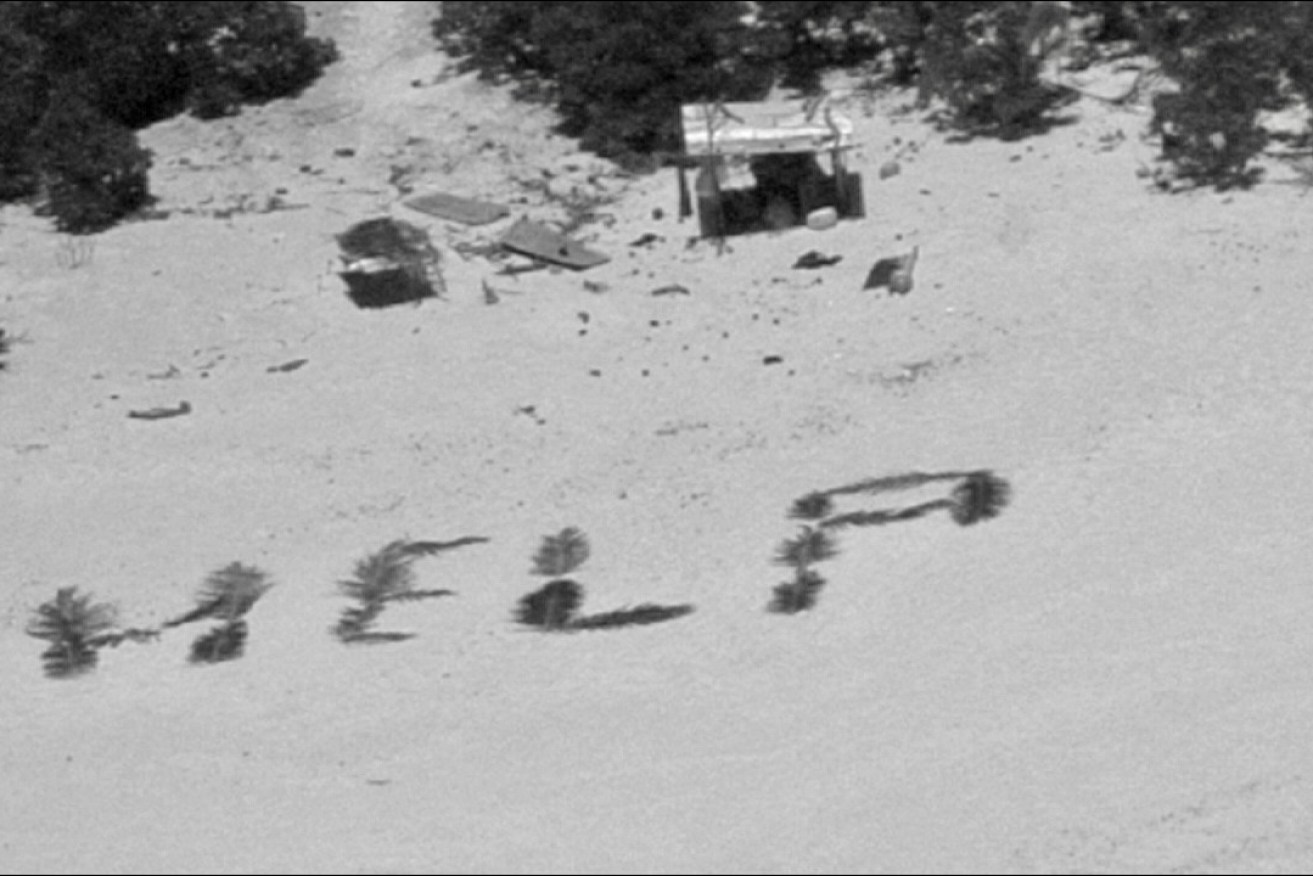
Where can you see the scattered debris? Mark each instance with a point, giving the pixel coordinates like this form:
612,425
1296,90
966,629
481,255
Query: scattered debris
890,169
286,366
647,239
823,219
161,413
595,287
772,360
900,282
672,289
389,262
458,209
344,152
168,374
540,242
893,273
812,259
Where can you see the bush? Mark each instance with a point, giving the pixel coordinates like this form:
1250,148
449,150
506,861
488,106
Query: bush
983,60
77,77
804,37
91,168
1229,61
22,89
617,72
259,52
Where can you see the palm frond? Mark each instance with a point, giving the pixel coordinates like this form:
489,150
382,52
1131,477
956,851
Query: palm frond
562,553
797,595
552,606
883,517
225,642
382,575
639,615
68,660
431,548
356,621
74,626
418,595
810,545
908,481
71,617
812,506
227,594
982,495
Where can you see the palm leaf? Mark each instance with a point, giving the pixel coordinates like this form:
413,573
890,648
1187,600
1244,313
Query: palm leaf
382,575
881,518
812,506
71,618
646,613
224,642
552,606
810,545
430,548
418,595
562,553
797,595
908,481
981,496
227,594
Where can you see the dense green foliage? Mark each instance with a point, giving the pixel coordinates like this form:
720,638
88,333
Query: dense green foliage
76,78
1232,61
619,71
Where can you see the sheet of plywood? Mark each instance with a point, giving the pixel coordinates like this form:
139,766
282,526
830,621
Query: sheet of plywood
537,240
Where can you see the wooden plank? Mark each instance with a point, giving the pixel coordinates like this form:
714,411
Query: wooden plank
458,209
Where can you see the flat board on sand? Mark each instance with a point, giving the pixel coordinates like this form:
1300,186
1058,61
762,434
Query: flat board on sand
540,242
458,209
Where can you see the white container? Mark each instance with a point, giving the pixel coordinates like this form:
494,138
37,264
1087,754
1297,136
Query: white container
822,219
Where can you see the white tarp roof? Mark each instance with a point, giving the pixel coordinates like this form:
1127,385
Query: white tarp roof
764,127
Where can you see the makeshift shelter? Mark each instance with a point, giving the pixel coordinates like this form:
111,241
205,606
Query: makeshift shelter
759,164
386,262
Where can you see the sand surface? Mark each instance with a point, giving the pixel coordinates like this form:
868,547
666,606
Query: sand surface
1114,676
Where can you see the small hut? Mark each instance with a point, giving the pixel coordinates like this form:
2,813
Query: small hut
759,165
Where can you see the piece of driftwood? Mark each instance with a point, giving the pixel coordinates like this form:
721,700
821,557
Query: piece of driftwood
161,413
287,366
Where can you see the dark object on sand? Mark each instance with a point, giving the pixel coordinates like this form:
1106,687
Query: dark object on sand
672,289
540,242
894,273
639,615
783,142
388,262
646,239
286,366
161,413
465,210
552,606
812,259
